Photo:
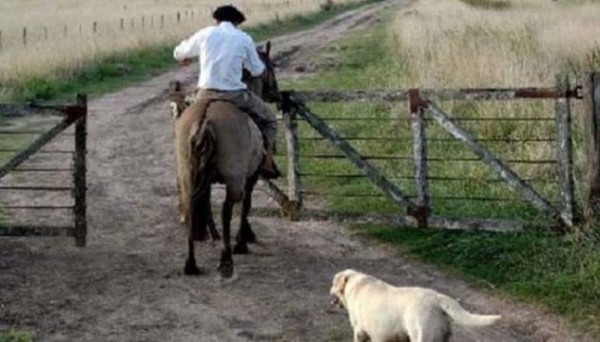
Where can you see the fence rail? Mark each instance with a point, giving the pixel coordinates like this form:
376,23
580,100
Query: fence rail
71,115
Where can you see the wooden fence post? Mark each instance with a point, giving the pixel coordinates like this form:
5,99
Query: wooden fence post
25,36
565,150
79,174
95,25
416,105
591,124
293,156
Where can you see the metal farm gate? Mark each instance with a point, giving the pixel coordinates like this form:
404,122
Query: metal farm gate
536,187
37,158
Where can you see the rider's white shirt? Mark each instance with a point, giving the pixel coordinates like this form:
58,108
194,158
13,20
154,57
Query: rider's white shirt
223,50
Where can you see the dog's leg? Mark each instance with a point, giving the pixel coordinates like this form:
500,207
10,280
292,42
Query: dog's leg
435,332
361,336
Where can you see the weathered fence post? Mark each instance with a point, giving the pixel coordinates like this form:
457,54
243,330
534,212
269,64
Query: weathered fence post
417,113
565,150
293,156
95,26
79,173
24,36
591,124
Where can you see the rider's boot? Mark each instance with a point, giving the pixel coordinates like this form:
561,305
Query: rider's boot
269,170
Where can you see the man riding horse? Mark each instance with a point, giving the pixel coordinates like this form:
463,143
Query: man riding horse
218,138
224,51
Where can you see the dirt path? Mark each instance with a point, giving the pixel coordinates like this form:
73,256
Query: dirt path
127,285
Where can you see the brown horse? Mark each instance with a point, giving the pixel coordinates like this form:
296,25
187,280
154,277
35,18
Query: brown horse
224,146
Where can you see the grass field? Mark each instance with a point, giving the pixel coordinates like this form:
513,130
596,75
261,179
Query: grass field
455,44
62,44
394,126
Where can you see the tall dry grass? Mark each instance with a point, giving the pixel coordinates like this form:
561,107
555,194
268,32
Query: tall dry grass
452,44
61,38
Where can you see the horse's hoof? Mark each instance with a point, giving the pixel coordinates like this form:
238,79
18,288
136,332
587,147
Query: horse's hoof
246,234
251,237
200,236
226,270
192,270
241,248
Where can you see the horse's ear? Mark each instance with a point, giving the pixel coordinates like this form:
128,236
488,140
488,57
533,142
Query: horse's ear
268,49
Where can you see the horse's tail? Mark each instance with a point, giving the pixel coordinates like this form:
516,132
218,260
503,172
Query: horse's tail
196,195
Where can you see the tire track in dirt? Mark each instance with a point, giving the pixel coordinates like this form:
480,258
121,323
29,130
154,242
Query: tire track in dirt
127,285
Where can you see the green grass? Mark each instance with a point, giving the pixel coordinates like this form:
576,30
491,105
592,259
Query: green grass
117,71
101,76
554,272
489,4
16,336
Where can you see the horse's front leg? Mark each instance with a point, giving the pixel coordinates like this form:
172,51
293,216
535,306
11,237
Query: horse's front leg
245,234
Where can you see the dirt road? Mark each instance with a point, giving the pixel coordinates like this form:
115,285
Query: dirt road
127,284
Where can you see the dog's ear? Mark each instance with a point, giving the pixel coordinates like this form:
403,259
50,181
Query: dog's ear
339,283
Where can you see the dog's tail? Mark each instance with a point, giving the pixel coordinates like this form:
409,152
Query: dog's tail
461,316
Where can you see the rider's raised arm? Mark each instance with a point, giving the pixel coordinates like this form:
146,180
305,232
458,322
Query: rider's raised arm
190,47
252,62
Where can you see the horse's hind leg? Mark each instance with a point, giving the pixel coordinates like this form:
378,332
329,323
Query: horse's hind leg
214,234
233,196
245,234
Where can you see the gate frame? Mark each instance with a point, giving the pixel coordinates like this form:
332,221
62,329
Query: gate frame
418,213
72,114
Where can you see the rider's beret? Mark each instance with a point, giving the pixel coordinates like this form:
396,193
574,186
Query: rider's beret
229,13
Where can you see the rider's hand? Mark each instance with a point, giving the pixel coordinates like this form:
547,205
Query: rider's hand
185,62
